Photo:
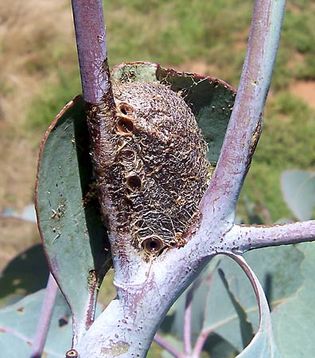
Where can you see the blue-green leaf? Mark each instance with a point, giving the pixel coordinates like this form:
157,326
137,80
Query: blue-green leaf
18,326
277,268
263,344
294,318
298,188
73,235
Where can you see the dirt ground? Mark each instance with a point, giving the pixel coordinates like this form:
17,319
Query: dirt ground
305,90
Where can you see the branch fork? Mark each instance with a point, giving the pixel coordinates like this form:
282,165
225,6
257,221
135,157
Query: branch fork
146,290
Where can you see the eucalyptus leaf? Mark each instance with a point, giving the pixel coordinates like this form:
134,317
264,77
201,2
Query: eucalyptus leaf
220,315
246,327
298,188
73,235
278,270
18,324
263,344
294,318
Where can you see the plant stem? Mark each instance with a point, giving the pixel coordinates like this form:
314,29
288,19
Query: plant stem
162,342
255,237
146,290
44,318
187,322
200,342
92,52
95,78
244,126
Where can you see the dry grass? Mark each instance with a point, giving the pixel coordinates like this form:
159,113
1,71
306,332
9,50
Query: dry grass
34,36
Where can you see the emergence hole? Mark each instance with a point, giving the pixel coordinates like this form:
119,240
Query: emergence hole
134,182
152,245
127,154
124,126
125,109
72,354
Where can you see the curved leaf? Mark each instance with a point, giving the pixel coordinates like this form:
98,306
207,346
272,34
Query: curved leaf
73,235
227,313
298,188
262,345
246,328
230,310
210,99
18,325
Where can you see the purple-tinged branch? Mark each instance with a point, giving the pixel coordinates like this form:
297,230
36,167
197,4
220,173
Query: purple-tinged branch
255,237
96,85
141,289
200,342
187,321
244,127
162,342
44,318
92,52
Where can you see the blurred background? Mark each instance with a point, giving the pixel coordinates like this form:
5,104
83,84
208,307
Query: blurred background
39,74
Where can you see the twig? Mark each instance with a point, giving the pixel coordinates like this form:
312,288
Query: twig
97,92
44,318
92,52
96,85
162,342
244,127
187,321
255,237
200,342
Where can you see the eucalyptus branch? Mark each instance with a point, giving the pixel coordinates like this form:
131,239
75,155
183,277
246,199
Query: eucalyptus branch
147,288
162,342
187,321
254,237
96,85
92,52
244,127
200,342
45,318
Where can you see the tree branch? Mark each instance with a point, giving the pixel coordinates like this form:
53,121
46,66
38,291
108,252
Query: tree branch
146,289
92,52
130,322
200,342
44,318
96,85
187,321
244,127
162,342
246,238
